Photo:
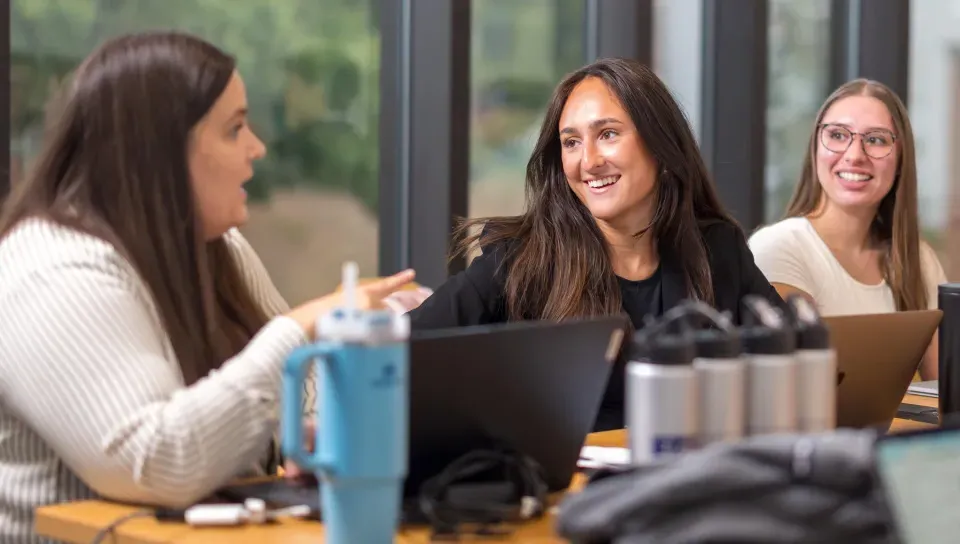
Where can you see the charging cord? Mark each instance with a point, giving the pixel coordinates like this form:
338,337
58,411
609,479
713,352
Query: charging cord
253,511
446,516
109,529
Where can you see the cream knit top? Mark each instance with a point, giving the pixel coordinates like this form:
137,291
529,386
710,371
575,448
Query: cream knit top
92,401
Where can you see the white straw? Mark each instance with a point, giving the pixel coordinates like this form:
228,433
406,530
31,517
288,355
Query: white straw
350,278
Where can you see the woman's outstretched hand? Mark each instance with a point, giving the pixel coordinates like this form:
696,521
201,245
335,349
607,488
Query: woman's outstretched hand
370,295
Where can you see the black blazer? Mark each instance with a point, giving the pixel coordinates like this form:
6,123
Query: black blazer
476,295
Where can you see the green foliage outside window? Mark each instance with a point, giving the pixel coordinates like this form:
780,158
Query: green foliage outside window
310,66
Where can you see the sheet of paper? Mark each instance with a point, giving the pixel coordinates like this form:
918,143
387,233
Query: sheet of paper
599,457
924,389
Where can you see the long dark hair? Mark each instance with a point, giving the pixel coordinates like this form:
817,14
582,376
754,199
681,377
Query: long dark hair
114,165
895,227
559,263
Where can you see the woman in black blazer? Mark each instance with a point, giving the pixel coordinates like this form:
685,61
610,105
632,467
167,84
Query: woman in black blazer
621,216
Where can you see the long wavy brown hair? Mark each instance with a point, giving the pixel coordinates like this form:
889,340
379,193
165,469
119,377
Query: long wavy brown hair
895,227
114,165
558,261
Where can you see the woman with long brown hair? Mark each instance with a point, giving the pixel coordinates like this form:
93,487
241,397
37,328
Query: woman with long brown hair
850,240
141,339
621,217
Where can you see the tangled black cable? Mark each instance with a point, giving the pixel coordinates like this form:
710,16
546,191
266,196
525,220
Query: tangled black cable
446,515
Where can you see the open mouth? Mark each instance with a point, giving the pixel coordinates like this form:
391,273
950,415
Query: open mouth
600,184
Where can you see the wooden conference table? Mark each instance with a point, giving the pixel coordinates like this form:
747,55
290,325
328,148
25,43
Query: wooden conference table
79,522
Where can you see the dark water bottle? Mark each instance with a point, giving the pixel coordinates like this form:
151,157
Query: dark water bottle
948,300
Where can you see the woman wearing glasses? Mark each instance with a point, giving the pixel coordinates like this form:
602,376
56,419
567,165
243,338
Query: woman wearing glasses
850,240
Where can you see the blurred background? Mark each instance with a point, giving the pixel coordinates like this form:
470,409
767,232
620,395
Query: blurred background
386,119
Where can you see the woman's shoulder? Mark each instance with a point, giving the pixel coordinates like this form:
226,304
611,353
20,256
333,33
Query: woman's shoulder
237,242
494,247
722,237
930,265
255,273
240,248
791,230
37,246
720,231
927,253
40,240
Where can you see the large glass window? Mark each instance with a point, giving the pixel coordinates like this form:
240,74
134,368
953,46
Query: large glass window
311,70
934,102
798,64
521,49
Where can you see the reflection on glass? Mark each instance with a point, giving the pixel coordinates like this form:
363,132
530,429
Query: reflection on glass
798,64
311,70
520,51
934,102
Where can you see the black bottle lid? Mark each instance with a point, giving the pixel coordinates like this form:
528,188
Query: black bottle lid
665,341
765,330
948,289
812,332
717,343
663,348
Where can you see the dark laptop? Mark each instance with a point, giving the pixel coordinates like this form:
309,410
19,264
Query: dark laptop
534,387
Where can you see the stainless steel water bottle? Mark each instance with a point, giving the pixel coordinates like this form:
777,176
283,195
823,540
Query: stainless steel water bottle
816,368
662,398
722,376
769,343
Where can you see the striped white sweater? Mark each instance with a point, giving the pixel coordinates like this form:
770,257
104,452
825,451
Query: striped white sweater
92,401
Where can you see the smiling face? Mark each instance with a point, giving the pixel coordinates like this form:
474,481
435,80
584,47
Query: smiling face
221,155
856,153
605,161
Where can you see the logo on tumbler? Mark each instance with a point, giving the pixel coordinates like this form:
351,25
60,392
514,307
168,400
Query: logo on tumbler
387,377
665,445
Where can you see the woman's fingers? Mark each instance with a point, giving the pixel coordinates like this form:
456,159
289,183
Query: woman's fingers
378,289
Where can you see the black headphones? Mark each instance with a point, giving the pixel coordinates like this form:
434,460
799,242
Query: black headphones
446,516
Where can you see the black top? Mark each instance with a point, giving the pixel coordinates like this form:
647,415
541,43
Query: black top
476,296
642,297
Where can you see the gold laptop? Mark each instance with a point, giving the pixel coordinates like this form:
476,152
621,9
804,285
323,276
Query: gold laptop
877,356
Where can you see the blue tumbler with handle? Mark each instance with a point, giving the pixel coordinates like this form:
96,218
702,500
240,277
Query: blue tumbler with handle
360,454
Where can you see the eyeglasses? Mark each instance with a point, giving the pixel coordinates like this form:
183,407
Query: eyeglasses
876,144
